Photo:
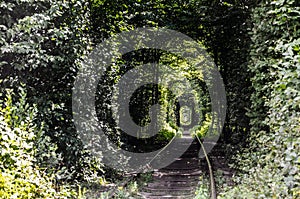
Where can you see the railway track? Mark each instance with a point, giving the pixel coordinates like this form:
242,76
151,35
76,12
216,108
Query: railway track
180,179
177,180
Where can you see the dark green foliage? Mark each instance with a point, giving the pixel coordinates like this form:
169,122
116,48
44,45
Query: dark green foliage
272,158
255,47
224,27
42,43
221,26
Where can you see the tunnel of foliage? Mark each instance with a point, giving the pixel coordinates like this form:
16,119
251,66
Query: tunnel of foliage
254,44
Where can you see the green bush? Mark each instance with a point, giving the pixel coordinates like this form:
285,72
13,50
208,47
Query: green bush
41,44
21,176
271,162
202,130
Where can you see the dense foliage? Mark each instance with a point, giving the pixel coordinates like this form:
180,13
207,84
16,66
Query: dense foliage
22,148
272,161
221,26
41,43
255,45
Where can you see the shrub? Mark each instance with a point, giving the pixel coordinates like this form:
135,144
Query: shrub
21,176
271,163
41,43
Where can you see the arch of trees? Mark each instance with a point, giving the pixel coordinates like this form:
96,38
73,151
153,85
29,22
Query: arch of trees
255,45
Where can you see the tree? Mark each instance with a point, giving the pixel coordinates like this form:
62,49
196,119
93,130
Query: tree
41,45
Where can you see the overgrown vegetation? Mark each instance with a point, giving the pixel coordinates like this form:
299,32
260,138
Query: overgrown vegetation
270,163
21,150
255,45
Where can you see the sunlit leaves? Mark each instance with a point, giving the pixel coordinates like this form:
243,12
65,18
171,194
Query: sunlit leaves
274,139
